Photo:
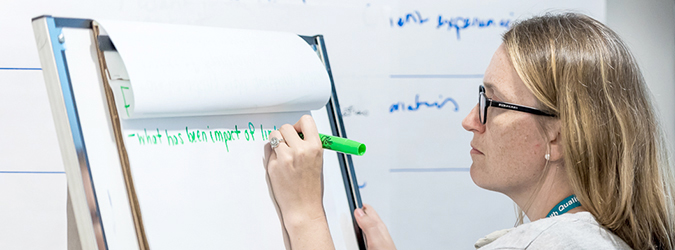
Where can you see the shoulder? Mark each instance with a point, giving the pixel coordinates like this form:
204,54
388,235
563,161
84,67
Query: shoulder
568,231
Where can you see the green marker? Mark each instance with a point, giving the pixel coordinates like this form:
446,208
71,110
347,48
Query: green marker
340,144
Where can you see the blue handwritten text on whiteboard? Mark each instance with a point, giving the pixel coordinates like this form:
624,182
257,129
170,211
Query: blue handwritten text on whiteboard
401,106
457,23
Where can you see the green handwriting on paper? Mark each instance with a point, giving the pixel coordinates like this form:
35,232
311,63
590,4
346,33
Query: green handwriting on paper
159,136
126,106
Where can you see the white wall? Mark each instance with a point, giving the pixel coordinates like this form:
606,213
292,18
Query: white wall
648,27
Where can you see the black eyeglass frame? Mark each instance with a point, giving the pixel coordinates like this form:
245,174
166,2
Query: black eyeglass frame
505,105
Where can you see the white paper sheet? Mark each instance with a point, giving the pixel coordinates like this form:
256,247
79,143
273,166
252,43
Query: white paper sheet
180,70
203,180
204,188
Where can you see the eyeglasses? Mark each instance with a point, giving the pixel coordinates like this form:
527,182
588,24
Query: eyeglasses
484,103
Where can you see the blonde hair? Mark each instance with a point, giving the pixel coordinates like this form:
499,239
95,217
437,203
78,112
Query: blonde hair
614,151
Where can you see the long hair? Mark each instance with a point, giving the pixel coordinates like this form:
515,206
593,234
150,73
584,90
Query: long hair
614,151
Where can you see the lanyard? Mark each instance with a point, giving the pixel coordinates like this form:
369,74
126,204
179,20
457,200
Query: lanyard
564,206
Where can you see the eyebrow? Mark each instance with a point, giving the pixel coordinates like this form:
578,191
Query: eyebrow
489,85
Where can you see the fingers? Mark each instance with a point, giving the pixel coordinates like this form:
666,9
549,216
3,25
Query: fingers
367,218
268,155
283,146
290,135
376,232
307,126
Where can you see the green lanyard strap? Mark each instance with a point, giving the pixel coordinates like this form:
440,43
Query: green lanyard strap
564,206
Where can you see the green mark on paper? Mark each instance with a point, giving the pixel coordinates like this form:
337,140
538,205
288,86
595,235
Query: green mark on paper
195,136
214,136
126,106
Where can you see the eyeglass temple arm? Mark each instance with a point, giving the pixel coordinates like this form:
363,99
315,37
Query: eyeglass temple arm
506,105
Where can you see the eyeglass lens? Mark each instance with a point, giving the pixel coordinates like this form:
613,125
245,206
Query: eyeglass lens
481,107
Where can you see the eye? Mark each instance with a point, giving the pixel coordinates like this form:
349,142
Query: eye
489,95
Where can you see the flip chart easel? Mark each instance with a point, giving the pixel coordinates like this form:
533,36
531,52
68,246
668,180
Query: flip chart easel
101,186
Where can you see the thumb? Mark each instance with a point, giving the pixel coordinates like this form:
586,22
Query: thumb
367,218
377,235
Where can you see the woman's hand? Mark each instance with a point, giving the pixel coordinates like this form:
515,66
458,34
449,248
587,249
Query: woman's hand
377,235
295,170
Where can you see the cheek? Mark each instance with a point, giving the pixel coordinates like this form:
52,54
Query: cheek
516,150
513,158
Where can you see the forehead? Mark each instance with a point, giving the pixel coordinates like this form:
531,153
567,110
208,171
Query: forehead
501,77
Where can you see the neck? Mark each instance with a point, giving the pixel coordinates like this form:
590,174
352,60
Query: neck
538,202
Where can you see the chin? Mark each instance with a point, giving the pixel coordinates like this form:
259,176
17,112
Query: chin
475,176
481,178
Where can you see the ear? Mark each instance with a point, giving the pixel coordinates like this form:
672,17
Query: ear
554,141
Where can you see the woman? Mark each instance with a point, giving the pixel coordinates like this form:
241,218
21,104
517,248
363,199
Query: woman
593,176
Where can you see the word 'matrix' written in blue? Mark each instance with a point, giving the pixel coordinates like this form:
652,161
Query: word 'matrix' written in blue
401,106
457,23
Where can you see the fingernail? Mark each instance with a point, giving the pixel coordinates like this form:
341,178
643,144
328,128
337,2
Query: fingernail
359,213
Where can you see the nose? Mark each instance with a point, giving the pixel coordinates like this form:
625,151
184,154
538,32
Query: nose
472,123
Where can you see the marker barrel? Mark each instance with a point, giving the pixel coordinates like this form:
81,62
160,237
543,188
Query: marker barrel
340,144
343,145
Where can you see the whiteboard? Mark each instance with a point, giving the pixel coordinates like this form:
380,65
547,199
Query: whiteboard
375,62
32,181
409,114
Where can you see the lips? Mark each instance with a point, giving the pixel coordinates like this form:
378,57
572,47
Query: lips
475,151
